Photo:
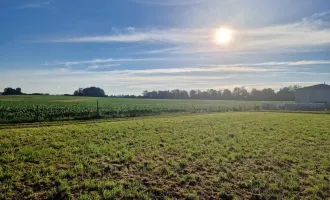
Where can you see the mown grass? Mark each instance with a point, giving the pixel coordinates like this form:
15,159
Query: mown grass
215,156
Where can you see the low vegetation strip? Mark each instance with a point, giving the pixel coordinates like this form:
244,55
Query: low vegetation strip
216,156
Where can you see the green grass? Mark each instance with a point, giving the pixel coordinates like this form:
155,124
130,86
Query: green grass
219,156
52,108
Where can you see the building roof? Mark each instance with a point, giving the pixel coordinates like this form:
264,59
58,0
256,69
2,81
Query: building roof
317,87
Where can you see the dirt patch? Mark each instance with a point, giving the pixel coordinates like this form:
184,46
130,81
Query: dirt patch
69,100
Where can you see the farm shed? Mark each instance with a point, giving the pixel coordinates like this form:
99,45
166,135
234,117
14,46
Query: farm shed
314,94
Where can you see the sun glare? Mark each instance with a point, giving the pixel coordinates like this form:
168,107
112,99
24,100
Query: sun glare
224,35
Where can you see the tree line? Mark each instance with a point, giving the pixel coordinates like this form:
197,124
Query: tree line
18,91
12,91
238,93
91,92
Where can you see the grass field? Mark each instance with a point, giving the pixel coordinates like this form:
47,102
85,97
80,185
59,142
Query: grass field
51,108
201,156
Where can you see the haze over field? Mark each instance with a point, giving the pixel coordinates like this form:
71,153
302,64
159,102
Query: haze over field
128,46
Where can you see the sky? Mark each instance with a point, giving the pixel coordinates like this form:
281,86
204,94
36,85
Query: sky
128,46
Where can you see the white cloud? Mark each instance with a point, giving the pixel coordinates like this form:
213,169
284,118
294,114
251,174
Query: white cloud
159,71
318,20
169,2
102,66
107,60
130,35
33,5
199,69
290,63
258,67
130,29
157,51
122,81
95,63
310,62
202,68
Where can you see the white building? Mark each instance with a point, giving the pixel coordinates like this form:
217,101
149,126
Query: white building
314,94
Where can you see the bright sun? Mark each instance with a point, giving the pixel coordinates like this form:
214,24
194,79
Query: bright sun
224,35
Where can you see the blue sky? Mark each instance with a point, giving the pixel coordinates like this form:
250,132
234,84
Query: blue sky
127,46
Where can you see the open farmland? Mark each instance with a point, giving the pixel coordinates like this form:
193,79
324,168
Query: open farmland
50,108
201,156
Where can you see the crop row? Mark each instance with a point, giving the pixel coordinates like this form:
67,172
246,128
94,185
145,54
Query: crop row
25,113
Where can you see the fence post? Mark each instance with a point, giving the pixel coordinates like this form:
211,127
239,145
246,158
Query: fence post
37,113
97,108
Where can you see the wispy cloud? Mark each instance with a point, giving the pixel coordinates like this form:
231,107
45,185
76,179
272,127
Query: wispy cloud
291,63
107,60
33,5
177,2
162,71
309,62
169,2
308,33
158,51
278,67
247,67
102,66
200,69
118,81
174,35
